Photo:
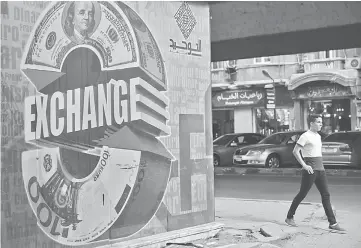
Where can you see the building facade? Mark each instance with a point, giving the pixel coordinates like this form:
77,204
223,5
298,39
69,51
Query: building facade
325,82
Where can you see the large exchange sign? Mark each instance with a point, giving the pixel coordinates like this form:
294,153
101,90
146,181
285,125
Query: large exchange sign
96,118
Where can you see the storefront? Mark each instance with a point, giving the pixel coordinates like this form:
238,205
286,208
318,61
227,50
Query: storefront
331,95
243,110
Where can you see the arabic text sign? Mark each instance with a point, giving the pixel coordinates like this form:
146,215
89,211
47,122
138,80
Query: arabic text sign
271,98
186,48
322,91
238,98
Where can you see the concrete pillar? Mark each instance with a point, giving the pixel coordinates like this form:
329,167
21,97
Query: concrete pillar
298,115
157,188
353,112
304,114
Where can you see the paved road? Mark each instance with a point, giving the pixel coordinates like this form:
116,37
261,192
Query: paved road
345,191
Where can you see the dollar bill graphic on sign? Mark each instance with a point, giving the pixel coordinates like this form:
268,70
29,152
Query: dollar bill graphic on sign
108,34
119,38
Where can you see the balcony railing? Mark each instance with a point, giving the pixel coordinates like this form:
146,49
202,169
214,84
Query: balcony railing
254,73
218,75
324,64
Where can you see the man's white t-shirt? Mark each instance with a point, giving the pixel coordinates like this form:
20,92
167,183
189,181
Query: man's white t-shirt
311,144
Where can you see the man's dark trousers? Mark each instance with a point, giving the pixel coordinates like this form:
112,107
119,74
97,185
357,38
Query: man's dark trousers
319,178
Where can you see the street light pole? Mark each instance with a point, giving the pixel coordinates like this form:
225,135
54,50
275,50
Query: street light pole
266,74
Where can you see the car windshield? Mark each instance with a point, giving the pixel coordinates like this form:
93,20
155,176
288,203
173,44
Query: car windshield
348,138
223,140
274,139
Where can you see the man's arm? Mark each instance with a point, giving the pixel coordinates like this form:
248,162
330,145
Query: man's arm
297,154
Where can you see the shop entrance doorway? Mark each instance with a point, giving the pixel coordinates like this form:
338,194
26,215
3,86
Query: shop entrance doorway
336,114
223,122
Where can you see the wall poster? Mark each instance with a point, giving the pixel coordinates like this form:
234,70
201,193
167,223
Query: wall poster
106,122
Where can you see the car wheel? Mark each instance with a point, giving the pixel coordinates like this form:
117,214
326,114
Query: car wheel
216,161
273,161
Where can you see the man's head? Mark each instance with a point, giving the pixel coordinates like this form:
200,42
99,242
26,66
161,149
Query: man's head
81,17
315,122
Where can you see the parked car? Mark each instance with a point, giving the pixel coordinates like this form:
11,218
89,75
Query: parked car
272,152
342,148
225,145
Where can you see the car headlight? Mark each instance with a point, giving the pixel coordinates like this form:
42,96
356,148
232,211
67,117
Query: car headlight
254,152
237,152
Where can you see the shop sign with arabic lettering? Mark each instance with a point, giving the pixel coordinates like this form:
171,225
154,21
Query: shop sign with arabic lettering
238,98
323,91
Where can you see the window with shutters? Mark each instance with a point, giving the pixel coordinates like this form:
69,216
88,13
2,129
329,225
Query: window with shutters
218,65
262,60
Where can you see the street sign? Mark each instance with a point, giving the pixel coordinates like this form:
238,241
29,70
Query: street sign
270,98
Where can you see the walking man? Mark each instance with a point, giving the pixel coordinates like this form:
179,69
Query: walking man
310,145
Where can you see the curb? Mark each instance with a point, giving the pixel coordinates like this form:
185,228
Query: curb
219,171
264,200
241,245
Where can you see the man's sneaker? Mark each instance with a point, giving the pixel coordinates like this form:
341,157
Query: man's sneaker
291,222
336,227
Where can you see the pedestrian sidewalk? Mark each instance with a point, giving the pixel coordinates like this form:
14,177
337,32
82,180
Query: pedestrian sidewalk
260,223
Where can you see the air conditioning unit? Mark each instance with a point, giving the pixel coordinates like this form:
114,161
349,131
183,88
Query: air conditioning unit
231,70
353,63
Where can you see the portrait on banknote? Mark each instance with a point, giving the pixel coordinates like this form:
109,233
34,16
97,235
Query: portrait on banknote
80,20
